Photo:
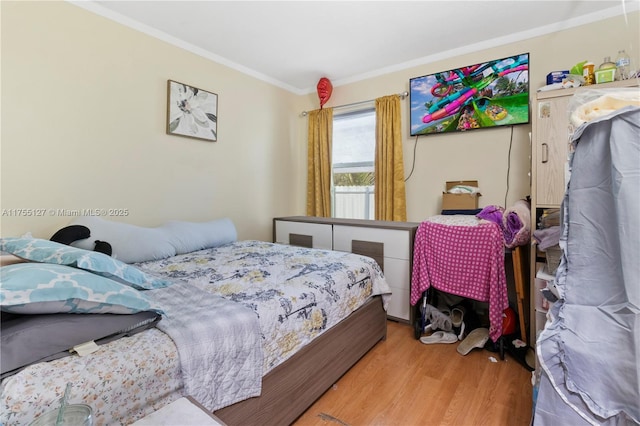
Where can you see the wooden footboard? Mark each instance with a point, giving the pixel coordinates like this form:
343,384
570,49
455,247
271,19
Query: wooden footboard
292,387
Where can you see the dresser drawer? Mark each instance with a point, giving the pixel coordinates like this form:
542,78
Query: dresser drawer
396,243
397,272
399,306
314,235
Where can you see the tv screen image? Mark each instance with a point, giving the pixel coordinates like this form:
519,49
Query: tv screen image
490,94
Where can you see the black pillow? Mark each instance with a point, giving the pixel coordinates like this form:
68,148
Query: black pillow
71,233
103,247
28,339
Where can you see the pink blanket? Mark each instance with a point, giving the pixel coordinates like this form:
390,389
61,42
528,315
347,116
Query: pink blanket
467,261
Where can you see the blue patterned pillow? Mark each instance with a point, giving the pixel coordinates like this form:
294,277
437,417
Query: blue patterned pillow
46,251
40,288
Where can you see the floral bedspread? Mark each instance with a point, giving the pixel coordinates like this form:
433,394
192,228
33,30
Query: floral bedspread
124,381
297,293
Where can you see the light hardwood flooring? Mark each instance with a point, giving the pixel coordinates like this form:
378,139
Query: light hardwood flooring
402,382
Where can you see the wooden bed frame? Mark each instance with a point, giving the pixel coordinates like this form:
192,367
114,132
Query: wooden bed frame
292,387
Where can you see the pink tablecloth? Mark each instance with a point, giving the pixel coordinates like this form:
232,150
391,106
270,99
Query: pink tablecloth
467,261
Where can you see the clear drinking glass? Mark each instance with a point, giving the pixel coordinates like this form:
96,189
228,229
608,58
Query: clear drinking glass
74,415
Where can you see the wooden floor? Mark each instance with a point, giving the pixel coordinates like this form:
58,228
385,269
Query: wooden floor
402,382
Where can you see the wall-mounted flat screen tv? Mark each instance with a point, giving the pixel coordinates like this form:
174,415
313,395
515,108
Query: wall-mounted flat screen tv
490,94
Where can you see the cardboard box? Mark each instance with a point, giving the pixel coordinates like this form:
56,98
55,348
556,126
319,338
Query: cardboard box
556,76
460,201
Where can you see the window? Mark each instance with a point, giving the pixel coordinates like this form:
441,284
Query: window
354,147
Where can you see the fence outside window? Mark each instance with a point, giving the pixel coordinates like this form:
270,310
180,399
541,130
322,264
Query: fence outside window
353,202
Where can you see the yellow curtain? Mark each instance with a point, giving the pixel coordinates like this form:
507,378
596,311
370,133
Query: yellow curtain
390,199
319,162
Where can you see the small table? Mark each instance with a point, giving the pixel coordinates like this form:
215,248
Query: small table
463,256
185,411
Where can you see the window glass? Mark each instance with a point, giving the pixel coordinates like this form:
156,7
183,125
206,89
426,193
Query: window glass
353,165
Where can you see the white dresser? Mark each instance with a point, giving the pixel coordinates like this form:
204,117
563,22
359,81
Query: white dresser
389,243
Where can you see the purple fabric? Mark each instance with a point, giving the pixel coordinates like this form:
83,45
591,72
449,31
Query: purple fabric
547,237
492,214
513,226
516,224
513,222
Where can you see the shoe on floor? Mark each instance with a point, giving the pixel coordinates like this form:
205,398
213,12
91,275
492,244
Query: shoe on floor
440,320
476,339
439,337
457,316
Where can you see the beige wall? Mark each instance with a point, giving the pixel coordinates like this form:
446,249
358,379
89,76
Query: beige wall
483,154
83,118
83,126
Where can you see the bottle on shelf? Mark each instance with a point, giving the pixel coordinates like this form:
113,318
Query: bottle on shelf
588,72
623,65
606,64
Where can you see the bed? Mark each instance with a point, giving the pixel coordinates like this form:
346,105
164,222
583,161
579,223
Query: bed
286,323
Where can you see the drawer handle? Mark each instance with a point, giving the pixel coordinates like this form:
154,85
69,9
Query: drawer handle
545,153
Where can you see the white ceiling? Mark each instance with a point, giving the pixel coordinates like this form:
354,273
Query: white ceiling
292,44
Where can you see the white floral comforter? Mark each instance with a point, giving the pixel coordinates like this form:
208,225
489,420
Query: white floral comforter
297,293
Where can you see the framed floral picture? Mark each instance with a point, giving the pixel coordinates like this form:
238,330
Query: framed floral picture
191,112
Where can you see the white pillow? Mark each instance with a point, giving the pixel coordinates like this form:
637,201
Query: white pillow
130,243
133,244
186,237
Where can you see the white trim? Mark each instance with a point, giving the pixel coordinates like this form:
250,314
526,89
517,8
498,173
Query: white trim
487,44
153,32
623,9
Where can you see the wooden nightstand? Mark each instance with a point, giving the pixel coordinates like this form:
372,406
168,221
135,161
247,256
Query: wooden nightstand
185,411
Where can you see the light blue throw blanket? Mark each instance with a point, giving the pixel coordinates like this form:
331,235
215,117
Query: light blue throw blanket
219,343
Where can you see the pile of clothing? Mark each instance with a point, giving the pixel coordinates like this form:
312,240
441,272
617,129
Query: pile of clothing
547,237
514,221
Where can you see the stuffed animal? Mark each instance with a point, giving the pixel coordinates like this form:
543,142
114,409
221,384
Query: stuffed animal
72,233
